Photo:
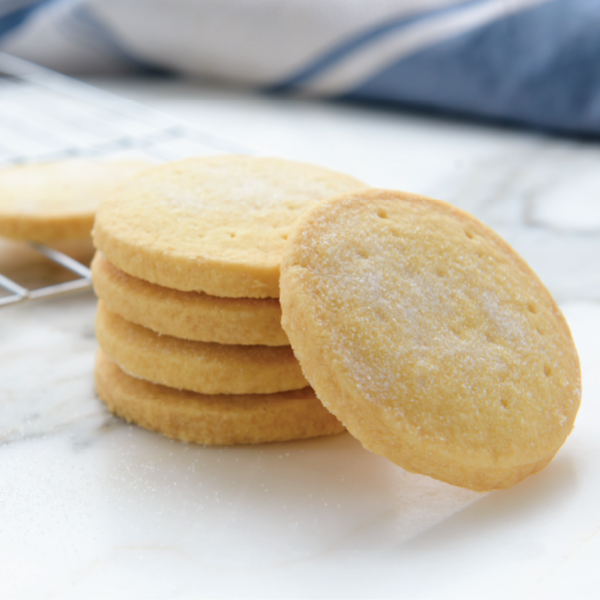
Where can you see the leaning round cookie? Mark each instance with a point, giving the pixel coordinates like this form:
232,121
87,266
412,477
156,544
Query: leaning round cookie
429,338
188,315
57,201
213,419
213,224
203,367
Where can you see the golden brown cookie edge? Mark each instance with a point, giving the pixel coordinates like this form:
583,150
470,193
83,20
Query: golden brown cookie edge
211,420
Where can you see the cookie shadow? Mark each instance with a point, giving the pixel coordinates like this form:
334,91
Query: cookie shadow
538,495
302,498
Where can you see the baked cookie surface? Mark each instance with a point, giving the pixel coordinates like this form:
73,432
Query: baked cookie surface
216,419
212,224
188,315
57,201
429,338
203,367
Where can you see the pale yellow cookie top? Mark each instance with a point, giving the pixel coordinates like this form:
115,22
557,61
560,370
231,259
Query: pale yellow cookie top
213,224
56,201
429,337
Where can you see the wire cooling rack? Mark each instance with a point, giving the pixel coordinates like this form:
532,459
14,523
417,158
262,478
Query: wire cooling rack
46,116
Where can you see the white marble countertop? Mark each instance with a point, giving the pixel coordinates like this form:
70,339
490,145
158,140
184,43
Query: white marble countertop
92,507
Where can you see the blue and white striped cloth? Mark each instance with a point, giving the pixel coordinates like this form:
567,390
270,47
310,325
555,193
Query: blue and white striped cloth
535,62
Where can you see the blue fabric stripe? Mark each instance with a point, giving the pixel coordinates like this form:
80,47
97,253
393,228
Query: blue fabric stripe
540,67
336,54
17,17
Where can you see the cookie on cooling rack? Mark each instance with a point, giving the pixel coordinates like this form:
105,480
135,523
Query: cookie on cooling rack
48,202
207,368
188,315
213,419
213,224
429,338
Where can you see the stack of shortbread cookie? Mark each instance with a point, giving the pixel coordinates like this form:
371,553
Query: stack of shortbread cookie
417,326
189,319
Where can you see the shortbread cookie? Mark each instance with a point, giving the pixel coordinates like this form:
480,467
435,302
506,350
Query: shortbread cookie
216,419
202,367
57,201
430,338
212,224
188,315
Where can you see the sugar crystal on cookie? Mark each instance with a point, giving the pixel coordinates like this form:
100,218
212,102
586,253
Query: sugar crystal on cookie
412,321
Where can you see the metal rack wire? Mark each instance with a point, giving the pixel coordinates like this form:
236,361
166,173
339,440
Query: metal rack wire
46,116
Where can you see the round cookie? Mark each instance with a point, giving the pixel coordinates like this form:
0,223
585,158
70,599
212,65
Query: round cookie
57,201
216,419
203,367
188,315
214,224
429,338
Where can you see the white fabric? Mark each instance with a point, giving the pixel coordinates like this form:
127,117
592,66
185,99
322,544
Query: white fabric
256,41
